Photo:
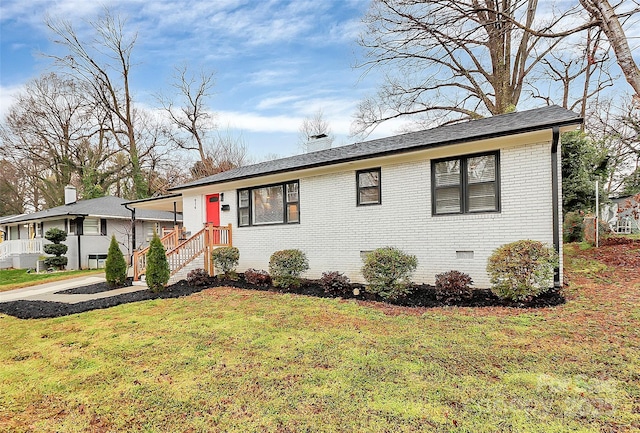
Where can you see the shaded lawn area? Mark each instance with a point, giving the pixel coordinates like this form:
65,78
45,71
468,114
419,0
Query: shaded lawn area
237,360
17,278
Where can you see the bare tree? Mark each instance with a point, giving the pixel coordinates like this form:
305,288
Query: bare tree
190,119
224,153
312,127
13,189
52,133
104,65
606,17
468,57
572,69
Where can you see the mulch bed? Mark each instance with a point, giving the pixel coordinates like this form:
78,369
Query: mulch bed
424,296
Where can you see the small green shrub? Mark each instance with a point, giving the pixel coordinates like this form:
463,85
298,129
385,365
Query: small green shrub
58,262
57,236
55,249
286,266
522,270
115,268
335,283
257,277
198,277
388,272
453,286
225,259
573,227
157,273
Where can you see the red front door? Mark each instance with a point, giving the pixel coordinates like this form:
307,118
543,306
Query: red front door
213,209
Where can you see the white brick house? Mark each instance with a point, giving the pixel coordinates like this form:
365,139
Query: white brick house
449,195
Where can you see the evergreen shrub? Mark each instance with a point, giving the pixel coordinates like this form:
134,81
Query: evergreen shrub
157,273
453,286
225,260
388,272
286,266
115,267
522,270
57,248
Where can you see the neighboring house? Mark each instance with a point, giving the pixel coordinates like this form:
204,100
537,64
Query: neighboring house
626,210
449,195
89,225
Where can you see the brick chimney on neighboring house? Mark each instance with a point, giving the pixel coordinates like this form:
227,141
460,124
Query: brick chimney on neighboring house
70,194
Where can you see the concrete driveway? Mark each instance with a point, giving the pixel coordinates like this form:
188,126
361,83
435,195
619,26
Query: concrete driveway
48,291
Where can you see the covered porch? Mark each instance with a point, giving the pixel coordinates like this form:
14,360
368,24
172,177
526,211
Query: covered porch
183,248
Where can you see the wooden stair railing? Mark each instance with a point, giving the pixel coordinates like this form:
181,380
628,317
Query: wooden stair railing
186,251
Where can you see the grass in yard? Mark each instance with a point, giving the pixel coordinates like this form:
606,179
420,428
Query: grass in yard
232,360
16,278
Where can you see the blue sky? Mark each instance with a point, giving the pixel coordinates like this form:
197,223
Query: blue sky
276,62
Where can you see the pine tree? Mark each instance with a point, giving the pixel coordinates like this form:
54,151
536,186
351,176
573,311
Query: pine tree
158,273
115,266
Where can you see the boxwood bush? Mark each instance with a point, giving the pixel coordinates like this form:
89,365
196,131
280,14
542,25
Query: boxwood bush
225,260
388,272
522,270
286,266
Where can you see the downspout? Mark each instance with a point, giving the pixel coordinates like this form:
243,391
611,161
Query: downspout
133,231
80,233
555,197
175,214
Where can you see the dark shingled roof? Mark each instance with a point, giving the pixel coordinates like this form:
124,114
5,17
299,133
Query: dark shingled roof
105,207
505,124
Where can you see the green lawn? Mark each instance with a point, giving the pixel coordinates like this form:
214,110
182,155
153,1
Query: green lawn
16,278
232,360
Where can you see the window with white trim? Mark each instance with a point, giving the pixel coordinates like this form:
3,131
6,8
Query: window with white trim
91,226
466,184
271,204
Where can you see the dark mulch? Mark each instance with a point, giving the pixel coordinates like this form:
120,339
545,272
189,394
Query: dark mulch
423,296
93,288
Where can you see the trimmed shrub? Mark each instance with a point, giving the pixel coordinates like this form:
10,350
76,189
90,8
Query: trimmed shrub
225,260
115,268
257,277
157,274
388,272
453,286
573,227
57,248
286,266
198,277
522,270
335,283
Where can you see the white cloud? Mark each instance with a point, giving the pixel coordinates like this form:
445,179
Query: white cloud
7,95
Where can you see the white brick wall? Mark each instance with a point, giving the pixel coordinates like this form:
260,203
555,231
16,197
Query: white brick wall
333,230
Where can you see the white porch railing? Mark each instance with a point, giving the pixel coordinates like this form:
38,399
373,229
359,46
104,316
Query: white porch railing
21,246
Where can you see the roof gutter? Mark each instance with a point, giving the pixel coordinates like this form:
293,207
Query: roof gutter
555,199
